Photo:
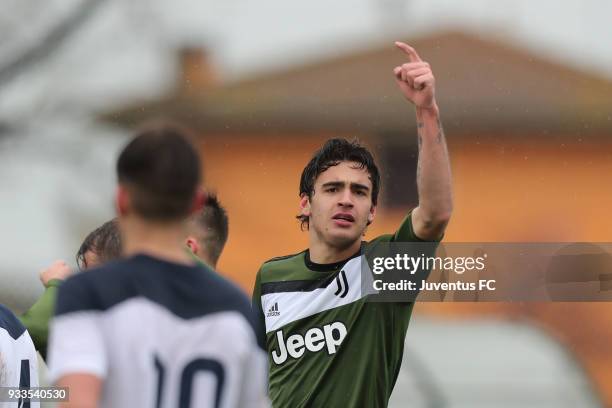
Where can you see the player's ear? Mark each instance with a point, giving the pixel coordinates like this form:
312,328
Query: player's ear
122,200
305,205
371,214
193,244
199,200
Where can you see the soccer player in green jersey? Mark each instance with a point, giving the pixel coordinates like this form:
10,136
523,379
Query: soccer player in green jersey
327,346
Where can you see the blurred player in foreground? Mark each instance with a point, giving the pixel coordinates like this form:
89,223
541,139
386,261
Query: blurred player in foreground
327,346
156,329
206,238
18,361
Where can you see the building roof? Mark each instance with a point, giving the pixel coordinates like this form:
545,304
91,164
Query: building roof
482,85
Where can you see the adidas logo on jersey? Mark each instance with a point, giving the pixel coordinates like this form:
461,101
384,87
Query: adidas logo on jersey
273,311
330,337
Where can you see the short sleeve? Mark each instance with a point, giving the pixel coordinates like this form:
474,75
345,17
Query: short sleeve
254,392
76,343
405,232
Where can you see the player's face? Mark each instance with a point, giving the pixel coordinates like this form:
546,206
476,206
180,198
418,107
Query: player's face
341,205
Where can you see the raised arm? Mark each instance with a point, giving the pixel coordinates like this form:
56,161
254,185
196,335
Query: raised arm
416,81
37,318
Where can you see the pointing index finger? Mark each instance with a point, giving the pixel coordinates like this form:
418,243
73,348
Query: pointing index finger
411,52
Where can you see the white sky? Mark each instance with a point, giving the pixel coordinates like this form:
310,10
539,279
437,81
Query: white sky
253,35
125,51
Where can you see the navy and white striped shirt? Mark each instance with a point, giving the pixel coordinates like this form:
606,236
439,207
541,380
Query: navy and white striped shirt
18,359
159,334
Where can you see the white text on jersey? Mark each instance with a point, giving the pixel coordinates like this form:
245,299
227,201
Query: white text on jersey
314,340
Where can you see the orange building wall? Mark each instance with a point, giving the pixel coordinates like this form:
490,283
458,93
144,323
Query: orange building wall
532,191
521,192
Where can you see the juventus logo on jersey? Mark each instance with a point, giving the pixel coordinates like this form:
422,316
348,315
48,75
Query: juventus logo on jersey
273,311
343,286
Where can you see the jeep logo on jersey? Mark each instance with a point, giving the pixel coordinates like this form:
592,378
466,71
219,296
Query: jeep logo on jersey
330,337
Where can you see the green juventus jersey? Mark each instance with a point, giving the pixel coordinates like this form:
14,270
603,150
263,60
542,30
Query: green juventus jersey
327,346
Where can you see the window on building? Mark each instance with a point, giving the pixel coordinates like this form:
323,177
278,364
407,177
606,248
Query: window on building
398,164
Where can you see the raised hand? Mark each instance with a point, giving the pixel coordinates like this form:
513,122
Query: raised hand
415,78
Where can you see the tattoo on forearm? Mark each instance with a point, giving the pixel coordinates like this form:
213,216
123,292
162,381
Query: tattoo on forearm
420,126
420,137
440,137
440,132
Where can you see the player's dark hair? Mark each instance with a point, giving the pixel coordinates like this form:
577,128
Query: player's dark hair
212,220
333,152
161,170
104,241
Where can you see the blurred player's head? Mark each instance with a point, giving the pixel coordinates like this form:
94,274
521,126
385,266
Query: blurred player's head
158,174
101,245
339,192
208,231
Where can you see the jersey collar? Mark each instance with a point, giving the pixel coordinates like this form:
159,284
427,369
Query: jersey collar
330,267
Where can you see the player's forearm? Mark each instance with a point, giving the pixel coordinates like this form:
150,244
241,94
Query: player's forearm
37,318
433,170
